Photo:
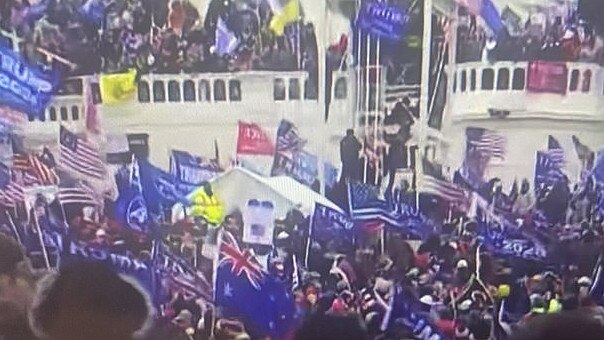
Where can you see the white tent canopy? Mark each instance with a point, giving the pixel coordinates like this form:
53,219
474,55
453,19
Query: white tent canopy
235,187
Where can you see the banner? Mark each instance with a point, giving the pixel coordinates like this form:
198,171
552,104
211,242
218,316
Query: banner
547,77
384,21
118,88
328,224
192,170
259,222
24,88
253,140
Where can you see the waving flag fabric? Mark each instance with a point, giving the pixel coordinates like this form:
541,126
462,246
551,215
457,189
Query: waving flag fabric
555,151
36,171
159,188
80,156
245,291
226,40
485,142
118,88
441,188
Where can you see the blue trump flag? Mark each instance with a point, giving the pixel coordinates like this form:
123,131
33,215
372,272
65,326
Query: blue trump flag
23,87
245,291
384,21
598,170
191,170
328,224
160,189
547,171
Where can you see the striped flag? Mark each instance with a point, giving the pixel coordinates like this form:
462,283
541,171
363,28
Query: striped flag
80,156
443,189
77,196
485,142
11,194
35,170
555,152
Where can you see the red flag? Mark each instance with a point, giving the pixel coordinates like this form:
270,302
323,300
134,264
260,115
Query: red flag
252,140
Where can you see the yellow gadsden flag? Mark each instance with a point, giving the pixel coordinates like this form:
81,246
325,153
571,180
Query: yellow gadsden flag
289,13
118,87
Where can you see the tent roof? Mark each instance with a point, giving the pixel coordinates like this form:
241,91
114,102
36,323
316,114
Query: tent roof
294,192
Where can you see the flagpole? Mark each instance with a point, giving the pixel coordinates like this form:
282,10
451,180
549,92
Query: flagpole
378,77
425,86
365,104
41,239
14,227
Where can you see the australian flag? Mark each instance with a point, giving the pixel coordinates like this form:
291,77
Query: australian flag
245,291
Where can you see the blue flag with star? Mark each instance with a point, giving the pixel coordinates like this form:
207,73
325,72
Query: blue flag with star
244,290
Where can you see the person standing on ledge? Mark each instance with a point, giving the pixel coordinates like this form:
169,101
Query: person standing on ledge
349,155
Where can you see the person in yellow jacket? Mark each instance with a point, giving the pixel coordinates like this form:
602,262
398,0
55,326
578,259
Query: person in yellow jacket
205,204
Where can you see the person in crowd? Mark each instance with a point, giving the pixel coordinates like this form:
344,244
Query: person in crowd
525,202
349,155
88,300
17,284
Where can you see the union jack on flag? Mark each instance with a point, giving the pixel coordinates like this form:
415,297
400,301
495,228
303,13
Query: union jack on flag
241,261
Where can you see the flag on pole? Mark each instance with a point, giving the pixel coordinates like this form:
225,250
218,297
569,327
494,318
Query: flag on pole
93,124
80,156
118,88
547,171
241,277
77,195
486,143
443,189
226,40
555,151
35,170
487,10
253,140
283,15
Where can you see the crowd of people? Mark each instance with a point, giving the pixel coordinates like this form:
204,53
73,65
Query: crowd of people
458,280
93,36
547,34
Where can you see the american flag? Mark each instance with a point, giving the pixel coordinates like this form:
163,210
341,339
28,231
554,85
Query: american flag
35,170
12,117
241,261
443,189
77,195
555,152
178,274
80,156
11,194
487,143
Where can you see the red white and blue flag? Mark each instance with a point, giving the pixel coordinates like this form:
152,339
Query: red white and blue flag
80,156
241,261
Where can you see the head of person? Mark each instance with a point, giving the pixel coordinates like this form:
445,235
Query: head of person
17,283
525,186
350,132
88,300
207,187
567,325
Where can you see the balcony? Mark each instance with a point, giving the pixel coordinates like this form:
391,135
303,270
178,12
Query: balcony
481,91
